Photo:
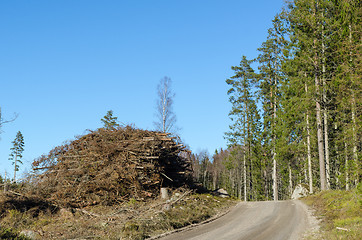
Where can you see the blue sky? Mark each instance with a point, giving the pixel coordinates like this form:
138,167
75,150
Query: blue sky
64,64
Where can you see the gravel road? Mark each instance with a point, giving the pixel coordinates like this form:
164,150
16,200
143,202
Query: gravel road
254,221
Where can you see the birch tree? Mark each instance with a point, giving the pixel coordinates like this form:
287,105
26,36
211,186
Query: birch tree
166,118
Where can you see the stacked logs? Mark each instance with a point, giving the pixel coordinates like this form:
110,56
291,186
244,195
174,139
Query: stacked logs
109,166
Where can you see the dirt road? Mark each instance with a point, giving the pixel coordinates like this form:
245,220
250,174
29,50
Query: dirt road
253,220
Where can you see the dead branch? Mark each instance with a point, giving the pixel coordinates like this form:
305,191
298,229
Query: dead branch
343,229
15,193
114,165
166,177
181,197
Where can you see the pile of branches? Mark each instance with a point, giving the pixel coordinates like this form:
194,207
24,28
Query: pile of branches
111,165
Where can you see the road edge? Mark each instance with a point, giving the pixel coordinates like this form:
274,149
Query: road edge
191,226
313,224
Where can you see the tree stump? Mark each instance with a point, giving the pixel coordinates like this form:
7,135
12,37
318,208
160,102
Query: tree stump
164,193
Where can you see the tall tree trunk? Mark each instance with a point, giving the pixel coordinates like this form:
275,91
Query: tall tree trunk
346,164
290,188
355,153
305,171
244,157
338,162
275,174
240,191
325,112
320,141
15,161
249,150
244,169
205,179
251,192
266,192
239,181
353,110
309,155
231,177
275,183
326,147
214,180
322,169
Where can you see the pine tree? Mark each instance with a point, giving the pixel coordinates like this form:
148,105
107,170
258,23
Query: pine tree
322,52
246,120
310,89
306,17
16,152
271,59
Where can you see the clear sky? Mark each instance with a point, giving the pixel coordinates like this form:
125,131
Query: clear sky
65,63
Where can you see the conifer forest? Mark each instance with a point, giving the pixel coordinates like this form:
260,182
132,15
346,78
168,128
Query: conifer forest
295,109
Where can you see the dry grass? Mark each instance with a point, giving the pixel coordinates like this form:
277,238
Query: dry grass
130,220
340,212
10,234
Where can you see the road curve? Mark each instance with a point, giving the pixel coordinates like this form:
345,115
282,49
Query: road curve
253,221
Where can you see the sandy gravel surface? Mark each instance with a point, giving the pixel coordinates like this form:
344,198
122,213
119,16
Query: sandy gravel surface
254,221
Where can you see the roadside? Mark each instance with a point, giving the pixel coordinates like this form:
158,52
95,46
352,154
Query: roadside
220,213
339,212
129,220
287,220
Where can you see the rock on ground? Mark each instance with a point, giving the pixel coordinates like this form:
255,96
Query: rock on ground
299,191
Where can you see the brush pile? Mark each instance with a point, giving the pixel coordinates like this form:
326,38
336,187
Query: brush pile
110,166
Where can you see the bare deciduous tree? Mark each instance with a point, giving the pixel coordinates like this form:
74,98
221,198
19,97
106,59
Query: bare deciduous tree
166,118
3,121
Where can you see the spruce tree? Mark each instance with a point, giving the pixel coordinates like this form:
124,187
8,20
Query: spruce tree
310,89
347,19
109,121
305,19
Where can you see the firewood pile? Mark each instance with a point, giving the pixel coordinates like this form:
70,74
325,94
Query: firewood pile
109,166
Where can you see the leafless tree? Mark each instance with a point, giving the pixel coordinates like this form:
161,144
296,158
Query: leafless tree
166,118
3,121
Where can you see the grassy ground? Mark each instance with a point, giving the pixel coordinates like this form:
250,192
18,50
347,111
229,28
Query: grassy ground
131,220
340,213
10,234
